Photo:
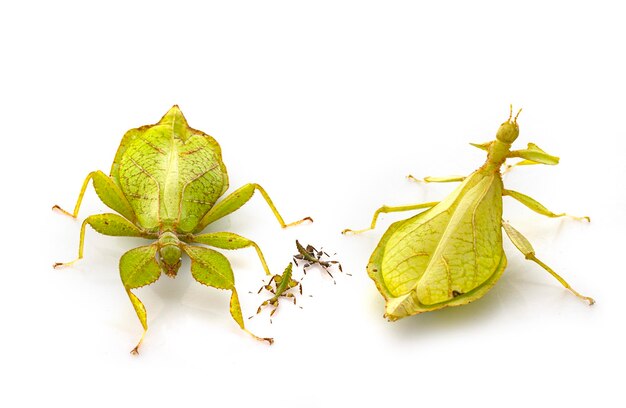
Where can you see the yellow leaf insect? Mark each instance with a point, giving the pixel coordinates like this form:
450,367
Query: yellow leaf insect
451,254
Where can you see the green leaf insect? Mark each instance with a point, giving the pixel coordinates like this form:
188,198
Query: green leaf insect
451,254
281,286
164,185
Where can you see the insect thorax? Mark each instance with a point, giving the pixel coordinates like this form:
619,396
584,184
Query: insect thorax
500,148
169,253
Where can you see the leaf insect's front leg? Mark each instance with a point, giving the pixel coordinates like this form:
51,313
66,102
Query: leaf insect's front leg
238,198
527,250
430,179
537,207
388,209
138,267
229,240
107,224
532,155
107,191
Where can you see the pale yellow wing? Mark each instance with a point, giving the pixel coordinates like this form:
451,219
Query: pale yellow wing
444,256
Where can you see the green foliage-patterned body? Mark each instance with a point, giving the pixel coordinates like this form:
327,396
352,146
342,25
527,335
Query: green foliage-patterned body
170,173
281,285
164,183
451,254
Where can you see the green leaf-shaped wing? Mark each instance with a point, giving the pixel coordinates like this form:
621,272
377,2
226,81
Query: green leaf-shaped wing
170,173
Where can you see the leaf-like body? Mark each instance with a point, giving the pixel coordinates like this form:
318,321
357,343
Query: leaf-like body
448,255
170,173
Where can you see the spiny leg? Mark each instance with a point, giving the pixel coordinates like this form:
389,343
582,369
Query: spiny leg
238,198
537,207
388,209
106,224
229,240
527,250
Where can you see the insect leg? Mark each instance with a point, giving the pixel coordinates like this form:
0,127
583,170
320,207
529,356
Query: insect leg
80,198
238,198
275,211
331,275
509,167
229,240
388,209
430,179
106,224
138,267
526,248
211,268
107,191
536,206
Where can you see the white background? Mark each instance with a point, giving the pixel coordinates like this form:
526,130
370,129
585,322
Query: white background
328,105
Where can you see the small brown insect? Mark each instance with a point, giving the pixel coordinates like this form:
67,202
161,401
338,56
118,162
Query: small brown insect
312,256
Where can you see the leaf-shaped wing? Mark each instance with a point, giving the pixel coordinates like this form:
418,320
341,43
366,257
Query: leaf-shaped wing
170,173
444,255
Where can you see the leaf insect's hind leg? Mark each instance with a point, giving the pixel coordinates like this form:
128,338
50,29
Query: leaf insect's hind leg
107,224
140,309
430,179
138,267
388,209
527,250
211,268
229,240
237,199
235,311
537,207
